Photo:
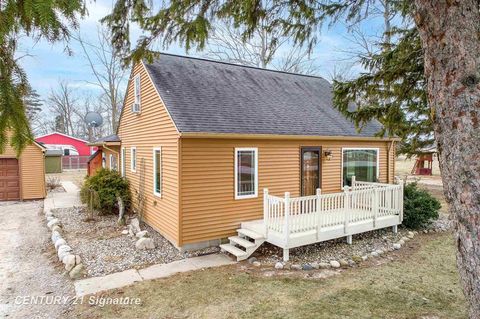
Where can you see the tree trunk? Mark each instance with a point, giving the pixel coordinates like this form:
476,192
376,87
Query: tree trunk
450,31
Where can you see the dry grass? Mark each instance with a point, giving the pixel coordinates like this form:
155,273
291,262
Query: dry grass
76,176
424,283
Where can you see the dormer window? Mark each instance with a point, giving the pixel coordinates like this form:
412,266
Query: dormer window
136,89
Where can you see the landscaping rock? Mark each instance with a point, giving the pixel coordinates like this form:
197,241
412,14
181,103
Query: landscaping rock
59,243
125,232
401,242
351,263
53,222
365,257
279,265
334,264
145,244
70,261
257,263
142,234
307,267
49,218
251,260
57,228
397,246
374,254
410,234
296,267
324,265
343,263
77,272
130,231
55,236
315,265
63,251
405,239
135,225
357,259
379,252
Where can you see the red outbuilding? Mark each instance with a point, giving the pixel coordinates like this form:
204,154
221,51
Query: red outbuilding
69,144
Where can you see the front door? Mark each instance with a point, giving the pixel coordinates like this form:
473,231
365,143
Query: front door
310,170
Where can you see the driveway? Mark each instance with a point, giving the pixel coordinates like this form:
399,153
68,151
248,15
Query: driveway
28,268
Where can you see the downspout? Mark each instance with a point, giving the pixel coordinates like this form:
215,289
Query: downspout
390,145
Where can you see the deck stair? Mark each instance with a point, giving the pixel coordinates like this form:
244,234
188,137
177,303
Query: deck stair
243,245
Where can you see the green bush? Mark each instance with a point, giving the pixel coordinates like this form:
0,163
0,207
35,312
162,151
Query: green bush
105,186
420,208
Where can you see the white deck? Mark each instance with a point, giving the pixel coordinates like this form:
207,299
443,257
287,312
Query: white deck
292,222
311,236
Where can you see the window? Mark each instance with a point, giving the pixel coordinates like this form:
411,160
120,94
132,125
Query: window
113,162
157,171
104,160
133,160
361,163
246,173
123,158
136,89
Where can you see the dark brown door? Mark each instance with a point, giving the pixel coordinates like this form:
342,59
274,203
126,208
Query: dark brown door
9,179
310,170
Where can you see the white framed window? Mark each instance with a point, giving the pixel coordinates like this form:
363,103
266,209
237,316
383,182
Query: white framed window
246,172
157,171
362,162
136,89
104,159
123,157
113,162
133,159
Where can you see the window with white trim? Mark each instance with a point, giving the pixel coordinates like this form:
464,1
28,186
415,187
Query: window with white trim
123,157
113,162
133,160
157,171
361,163
136,90
246,173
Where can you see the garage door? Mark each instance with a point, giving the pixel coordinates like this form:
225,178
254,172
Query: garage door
9,179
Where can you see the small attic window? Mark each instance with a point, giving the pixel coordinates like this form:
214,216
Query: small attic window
136,89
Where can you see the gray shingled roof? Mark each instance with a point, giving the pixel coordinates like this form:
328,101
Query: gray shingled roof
216,97
109,138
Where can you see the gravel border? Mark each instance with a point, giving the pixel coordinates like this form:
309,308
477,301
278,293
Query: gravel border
104,249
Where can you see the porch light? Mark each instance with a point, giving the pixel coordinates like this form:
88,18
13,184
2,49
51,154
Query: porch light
328,155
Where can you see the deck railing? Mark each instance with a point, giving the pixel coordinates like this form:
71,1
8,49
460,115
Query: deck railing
362,201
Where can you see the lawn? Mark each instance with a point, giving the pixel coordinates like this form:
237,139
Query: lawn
422,281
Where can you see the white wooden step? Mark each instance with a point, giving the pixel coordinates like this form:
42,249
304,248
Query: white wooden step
242,242
237,252
249,233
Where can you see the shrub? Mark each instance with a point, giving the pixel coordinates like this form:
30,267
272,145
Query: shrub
52,183
420,208
105,186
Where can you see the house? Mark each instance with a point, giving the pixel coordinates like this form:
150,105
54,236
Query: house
211,148
106,156
22,177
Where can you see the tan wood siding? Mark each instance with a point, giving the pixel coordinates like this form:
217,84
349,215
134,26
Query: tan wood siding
32,171
209,210
152,128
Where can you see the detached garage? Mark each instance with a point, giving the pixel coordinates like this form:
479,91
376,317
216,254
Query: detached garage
22,177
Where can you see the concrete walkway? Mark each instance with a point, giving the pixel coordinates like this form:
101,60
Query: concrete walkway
128,277
66,199
87,286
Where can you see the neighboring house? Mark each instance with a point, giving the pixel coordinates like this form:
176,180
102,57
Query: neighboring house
199,141
22,177
69,144
107,155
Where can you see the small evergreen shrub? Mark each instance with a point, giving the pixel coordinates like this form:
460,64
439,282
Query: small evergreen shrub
104,187
419,207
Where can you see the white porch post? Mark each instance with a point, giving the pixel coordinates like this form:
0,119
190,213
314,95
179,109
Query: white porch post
349,239
286,255
395,229
286,226
376,205
346,209
319,221
354,179
401,200
266,205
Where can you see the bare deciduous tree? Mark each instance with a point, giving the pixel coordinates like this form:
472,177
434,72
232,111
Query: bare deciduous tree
108,72
265,49
63,102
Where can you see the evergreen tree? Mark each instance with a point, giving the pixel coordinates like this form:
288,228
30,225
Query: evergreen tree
40,19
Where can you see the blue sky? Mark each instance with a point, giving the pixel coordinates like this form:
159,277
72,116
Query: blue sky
49,64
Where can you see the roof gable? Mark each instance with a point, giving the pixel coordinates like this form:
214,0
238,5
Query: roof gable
215,97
